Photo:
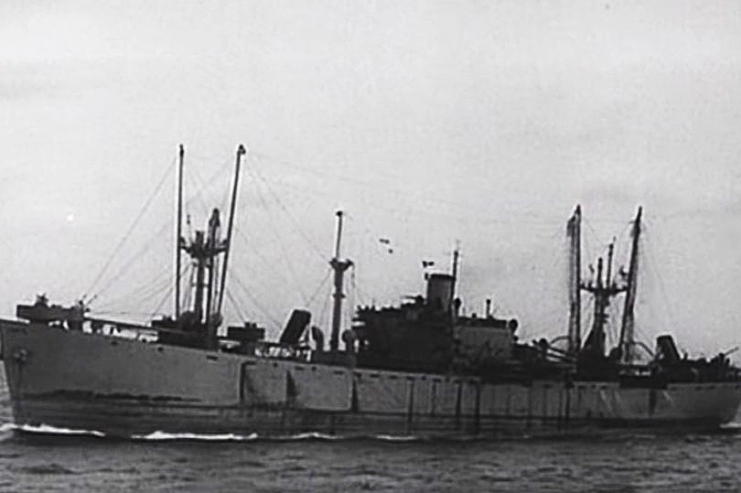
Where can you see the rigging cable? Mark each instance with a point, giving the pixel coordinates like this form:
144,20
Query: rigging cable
144,291
141,293
257,253
131,228
418,197
165,298
356,290
652,269
349,306
188,294
125,267
235,305
297,225
405,195
321,285
286,257
205,184
122,270
254,301
323,312
381,258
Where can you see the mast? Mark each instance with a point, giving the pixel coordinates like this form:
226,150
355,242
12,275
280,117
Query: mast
179,231
456,258
573,230
232,209
204,249
339,267
213,248
197,251
596,339
610,253
604,287
628,327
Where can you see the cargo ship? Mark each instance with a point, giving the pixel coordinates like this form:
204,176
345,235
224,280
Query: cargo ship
421,368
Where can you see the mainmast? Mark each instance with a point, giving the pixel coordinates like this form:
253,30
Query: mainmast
204,249
214,242
232,209
454,273
179,231
339,267
603,287
627,330
573,230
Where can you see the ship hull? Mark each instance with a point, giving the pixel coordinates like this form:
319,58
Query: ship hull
126,388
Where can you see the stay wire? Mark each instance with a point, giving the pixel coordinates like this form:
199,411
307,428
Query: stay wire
418,197
128,264
235,305
652,269
319,288
162,302
290,216
254,301
131,228
286,257
203,187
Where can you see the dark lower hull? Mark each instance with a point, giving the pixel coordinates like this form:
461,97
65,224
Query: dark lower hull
126,420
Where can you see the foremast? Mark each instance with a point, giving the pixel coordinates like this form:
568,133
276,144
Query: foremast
204,249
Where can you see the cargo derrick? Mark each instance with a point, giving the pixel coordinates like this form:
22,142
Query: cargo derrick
593,360
198,327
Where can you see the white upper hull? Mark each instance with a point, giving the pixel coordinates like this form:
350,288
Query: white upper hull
125,387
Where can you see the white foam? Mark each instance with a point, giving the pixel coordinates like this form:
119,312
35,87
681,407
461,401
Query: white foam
7,427
226,437
312,435
52,430
397,438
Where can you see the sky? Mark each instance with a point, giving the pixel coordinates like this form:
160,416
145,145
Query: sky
430,123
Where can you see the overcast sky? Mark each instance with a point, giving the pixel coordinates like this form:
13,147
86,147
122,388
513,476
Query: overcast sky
429,123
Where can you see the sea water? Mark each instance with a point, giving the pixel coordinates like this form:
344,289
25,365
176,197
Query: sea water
614,462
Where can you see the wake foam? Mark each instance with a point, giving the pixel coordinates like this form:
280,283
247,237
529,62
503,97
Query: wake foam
733,425
226,437
397,438
161,436
49,430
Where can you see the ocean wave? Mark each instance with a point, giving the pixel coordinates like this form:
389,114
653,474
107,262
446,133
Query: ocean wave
46,469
